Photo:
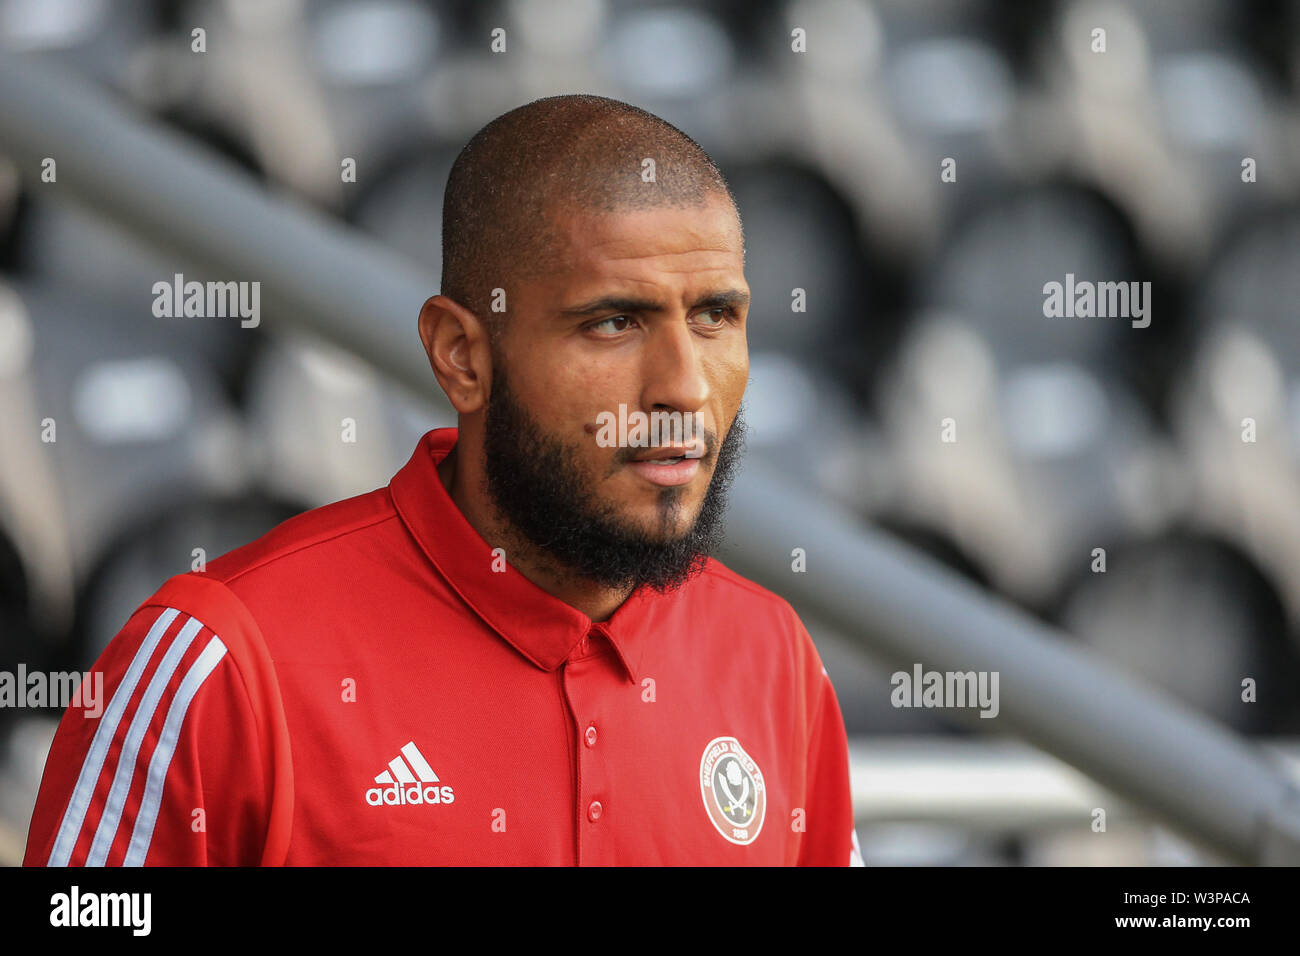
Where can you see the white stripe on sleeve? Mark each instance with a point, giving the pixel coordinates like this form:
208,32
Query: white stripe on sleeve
112,815
74,817
142,835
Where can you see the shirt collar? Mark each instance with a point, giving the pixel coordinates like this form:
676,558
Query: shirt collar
540,626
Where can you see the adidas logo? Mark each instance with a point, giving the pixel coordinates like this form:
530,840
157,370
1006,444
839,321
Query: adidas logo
400,787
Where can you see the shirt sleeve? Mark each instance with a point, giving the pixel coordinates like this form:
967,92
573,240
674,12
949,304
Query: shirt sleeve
163,766
830,838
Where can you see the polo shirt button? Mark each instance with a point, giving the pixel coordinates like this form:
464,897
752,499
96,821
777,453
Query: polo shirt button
594,811
591,736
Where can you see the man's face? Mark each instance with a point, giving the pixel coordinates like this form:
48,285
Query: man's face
649,313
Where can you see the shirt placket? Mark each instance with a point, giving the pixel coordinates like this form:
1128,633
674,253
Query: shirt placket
590,674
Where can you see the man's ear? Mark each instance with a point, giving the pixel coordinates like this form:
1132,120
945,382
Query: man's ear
459,353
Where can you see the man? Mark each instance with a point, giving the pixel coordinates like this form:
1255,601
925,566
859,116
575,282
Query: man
518,652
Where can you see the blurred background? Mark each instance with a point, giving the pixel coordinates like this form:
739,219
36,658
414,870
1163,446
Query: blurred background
1171,157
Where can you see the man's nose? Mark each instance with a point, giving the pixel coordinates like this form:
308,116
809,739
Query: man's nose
673,371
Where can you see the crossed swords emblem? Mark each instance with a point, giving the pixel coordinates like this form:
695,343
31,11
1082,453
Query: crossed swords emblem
736,804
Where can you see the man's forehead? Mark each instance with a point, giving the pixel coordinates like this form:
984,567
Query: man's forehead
651,232
696,248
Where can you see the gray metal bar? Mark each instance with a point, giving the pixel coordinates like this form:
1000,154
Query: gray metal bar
183,198
902,606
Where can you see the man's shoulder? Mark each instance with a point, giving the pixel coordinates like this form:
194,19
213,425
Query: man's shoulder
296,564
766,620
756,598
335,525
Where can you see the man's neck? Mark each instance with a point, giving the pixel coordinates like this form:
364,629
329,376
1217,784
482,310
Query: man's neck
597,602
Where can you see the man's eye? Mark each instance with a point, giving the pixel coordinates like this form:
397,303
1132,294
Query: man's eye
719,314
613,325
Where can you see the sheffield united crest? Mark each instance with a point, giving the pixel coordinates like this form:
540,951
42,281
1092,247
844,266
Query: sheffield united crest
735,797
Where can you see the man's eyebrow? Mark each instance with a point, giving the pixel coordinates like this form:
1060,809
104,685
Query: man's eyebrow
723,299
614,303
622,303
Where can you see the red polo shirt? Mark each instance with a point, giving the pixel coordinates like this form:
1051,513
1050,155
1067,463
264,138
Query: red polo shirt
369,683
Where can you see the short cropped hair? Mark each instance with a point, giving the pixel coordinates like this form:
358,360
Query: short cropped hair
575,151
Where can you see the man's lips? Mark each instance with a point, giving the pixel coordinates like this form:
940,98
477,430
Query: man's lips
666,452
668,465
667,473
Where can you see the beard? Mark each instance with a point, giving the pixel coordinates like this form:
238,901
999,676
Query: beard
538,486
